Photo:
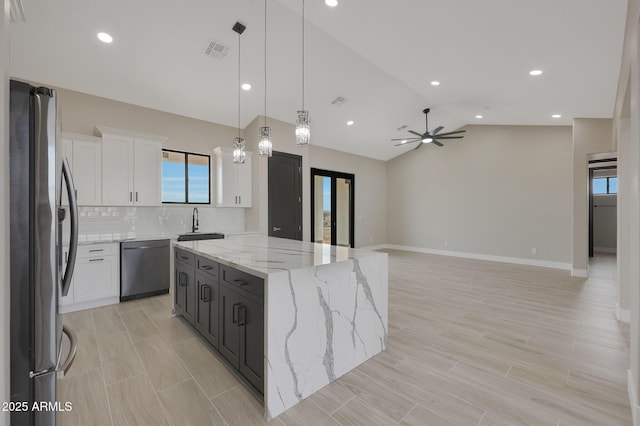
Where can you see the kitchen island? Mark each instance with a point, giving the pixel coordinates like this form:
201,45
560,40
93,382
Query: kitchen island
325,308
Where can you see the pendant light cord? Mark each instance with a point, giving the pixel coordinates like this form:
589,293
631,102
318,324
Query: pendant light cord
265,63
239,52
303,55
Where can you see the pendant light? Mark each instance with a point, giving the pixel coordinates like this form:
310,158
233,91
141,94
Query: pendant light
265,147
303,134
239,153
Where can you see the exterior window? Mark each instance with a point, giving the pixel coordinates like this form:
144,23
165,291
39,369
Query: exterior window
185,177
605,185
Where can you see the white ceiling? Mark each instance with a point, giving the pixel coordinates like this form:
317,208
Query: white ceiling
380,55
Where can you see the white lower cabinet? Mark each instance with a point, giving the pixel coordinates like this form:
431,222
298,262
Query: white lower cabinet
96,278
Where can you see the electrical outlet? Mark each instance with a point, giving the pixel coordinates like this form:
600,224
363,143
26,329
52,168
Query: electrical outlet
534,250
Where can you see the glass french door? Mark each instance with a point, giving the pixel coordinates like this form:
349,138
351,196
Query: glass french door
332,208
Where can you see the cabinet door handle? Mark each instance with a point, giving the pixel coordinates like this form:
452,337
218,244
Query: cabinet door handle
235,312
136,196
207,293
207,267
96,260
276,229
239,199
130,196
95,250
184,257
242,315
241,282
183,279
201,291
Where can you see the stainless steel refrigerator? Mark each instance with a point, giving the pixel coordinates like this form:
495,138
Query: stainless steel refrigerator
38,175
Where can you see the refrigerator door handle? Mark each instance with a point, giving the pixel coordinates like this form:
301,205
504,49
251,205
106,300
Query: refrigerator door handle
73,349
73,238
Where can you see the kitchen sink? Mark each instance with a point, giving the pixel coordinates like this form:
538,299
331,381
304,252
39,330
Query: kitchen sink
195,236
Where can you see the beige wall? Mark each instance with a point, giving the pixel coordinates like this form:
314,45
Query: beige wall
590,136
370,191
4,209
500,191
627,131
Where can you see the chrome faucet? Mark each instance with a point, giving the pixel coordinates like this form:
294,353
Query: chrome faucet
194,220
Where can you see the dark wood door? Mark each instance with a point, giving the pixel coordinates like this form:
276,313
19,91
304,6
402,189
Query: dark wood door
285,196
229,342
251,323
206,320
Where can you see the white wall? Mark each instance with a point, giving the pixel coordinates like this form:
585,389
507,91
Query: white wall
627,130
501,191
4,209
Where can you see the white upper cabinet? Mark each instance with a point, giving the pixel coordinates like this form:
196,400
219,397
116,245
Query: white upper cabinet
85,158
131,168
233,181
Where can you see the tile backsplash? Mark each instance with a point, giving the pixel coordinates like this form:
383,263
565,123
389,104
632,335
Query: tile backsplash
95,222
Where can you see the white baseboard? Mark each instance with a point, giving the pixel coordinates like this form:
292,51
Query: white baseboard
88,305
377,247
633,399
580,273
605,250
489,257
623,315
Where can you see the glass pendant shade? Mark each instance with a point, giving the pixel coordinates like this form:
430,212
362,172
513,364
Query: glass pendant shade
239,154
303,133
265,147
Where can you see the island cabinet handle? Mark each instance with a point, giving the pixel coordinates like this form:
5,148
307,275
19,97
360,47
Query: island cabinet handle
207,267
276,229
184,257
240,282
183,279
242,314
235,312
202,292
207,293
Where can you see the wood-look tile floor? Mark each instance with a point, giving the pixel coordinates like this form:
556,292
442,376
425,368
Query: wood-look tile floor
471,343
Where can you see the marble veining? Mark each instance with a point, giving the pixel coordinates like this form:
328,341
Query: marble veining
326,309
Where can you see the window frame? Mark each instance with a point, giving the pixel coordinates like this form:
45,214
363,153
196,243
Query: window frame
186,179
608,178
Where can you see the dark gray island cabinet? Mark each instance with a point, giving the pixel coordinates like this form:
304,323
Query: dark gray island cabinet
226,307
289,316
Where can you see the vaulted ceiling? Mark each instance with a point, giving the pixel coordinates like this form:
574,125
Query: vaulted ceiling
379,55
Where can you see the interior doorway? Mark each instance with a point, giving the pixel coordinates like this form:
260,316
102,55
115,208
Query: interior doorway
285,196
332,207
603,201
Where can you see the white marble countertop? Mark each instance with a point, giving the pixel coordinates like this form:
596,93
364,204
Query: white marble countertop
261,256
118,237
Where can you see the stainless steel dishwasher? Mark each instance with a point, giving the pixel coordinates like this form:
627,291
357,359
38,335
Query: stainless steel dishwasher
144,268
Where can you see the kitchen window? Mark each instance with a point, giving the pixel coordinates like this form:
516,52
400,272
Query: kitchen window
605,185
185,177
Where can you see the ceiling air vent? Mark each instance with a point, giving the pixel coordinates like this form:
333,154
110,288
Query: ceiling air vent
339,101
17,12
216,49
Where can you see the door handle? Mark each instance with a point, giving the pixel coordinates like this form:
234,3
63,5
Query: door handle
183,279
276,229
73,237
235,312
73,349
242,315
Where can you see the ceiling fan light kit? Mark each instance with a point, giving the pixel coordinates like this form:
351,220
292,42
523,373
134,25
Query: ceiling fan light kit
433,137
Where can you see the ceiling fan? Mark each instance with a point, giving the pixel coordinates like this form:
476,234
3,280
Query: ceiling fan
429,137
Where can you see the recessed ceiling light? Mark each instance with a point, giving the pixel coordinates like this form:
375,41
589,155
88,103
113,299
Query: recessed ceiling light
427,140
535,72
556,116
479,116
350,123
404,141
435,83
246,86
331,3
105,38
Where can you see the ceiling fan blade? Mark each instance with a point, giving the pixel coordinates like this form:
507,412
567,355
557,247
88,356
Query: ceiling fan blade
435,142
436,130
408,142
415,133
452,133
406,139
419,146
450,137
